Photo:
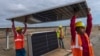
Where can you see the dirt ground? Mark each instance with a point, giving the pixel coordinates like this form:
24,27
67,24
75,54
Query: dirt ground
95,38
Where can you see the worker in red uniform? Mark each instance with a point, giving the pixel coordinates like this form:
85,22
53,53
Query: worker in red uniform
19,38
80,43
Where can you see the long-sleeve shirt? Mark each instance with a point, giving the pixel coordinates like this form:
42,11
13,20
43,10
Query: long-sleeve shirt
88,30
14,29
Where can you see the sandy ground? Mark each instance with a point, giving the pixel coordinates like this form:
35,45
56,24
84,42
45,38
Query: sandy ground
4,52
95,38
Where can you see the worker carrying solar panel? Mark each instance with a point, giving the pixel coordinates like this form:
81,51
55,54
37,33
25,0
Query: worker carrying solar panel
80,44
60,36
19,38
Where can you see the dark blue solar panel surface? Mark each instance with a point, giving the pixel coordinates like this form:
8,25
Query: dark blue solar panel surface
46,16
43,43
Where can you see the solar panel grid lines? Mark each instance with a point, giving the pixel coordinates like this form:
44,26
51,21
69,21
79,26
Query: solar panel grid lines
60,13
43,42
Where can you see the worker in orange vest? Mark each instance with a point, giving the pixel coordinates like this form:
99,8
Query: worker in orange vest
60,36
19,38
80,43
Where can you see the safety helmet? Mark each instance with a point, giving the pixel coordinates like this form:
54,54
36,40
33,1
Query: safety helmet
79,24
18,28
60,26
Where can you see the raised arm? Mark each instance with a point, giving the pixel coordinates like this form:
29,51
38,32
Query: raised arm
72,26
13,28
89,23
25,25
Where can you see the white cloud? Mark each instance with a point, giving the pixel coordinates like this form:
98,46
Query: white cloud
17,7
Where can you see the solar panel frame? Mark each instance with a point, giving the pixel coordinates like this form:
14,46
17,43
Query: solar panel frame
41,43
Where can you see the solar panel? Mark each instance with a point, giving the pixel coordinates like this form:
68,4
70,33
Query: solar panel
55,14
42,43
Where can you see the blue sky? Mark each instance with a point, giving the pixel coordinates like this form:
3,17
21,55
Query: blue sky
93,4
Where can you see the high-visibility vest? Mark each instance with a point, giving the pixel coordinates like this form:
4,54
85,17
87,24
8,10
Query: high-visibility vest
19,41
77,48
60,33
